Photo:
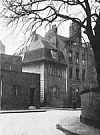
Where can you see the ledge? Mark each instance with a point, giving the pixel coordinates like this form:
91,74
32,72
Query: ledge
90,90
22,111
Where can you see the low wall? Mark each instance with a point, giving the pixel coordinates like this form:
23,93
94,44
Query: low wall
90,103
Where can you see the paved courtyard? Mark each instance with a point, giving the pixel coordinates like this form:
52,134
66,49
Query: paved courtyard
34,123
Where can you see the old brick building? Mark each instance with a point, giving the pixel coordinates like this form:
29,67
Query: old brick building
41,56
17,90
50,64
76,59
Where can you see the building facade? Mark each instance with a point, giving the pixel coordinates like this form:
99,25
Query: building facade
17,90
76,59
50,64
74,68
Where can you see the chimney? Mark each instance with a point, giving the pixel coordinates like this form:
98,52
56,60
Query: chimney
2,48
54,28
75,31
35,36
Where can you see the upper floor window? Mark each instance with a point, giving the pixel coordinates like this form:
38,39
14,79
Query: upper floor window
70,56
74,43
77,58
83,74
14,90
70,73
77,73
7,66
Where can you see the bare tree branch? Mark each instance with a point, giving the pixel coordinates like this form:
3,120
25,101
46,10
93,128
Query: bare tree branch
48,11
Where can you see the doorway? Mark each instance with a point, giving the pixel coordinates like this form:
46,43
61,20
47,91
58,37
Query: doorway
32,94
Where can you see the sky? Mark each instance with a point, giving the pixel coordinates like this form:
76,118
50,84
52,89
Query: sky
12,38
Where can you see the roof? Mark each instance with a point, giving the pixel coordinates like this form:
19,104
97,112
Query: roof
4,58
46,54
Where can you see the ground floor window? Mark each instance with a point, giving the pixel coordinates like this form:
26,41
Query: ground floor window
54,92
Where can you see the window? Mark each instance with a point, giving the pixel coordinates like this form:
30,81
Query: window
70,56
77,58
77,73
83,58
74,43
83,74
49,69
14,90
54,91
7,66
70,72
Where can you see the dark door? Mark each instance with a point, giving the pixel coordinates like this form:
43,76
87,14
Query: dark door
32,90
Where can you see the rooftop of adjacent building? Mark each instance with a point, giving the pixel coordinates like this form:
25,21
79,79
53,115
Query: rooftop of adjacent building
9,58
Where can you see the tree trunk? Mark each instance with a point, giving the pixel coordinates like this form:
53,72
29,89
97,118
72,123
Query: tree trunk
96,50
91,98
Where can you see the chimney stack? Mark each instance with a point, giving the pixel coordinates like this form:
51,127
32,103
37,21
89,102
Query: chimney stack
2,48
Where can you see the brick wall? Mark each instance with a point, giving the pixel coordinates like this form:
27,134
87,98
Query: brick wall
53,81
16,89
10,63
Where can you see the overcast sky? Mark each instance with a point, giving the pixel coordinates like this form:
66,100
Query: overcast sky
13,39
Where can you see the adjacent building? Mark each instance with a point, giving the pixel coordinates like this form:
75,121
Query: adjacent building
18,90
49,62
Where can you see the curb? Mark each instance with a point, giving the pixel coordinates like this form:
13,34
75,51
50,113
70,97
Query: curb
21,111
67,132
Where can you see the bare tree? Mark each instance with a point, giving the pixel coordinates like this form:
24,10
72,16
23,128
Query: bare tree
35,13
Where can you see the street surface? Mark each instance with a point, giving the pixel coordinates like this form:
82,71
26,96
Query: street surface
34,123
